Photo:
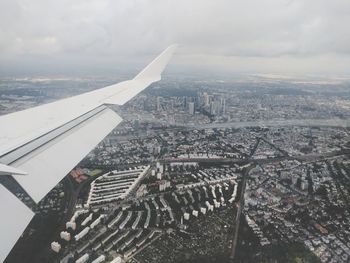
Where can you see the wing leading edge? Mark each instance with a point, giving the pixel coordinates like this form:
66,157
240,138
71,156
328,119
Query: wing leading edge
40,145
21,127
47,141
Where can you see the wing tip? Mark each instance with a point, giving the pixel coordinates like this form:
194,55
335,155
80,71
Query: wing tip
154,69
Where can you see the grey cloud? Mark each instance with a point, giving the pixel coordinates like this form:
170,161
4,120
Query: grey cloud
102,32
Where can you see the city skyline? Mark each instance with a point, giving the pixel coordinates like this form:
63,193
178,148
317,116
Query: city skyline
237,152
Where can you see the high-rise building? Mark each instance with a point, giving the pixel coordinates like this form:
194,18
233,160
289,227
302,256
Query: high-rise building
223,106
206,99
158,104
215,107
191,108
186,101
212,108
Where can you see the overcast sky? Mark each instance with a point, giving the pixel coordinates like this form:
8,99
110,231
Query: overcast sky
250,36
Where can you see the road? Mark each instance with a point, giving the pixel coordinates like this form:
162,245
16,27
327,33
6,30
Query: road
240,205
239,212
302,158
74,191
334,122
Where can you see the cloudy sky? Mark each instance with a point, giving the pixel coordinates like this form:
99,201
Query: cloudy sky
244,36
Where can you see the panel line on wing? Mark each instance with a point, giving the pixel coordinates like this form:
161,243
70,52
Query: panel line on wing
51,162
29,147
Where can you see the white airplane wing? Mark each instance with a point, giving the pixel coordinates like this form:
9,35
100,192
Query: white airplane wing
40,145
14,222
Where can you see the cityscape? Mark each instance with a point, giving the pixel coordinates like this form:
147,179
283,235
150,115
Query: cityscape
236,169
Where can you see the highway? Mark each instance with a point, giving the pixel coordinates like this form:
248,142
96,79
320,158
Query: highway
223,160
240,206
334,122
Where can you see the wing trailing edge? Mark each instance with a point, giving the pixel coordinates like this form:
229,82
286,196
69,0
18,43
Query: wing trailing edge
47,141
44,143
15,218
49,163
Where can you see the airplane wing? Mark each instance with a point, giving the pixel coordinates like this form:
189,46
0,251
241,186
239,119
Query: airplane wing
14,222
40,145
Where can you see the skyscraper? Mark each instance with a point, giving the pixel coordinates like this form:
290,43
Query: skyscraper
223,106
206,99
158,104
191,108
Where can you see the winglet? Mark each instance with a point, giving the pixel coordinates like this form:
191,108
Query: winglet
152,72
